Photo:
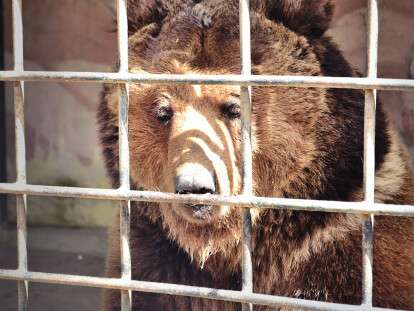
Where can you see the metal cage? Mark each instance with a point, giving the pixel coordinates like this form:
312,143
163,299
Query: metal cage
124,195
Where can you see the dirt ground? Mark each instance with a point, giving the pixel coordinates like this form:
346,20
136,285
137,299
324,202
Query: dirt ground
71,251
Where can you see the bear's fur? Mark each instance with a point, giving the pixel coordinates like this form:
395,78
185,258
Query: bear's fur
307,143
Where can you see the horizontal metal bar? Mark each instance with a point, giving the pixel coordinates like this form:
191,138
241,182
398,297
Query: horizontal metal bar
181,290
246,201
243,80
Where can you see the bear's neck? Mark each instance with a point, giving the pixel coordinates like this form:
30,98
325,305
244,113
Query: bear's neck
282,242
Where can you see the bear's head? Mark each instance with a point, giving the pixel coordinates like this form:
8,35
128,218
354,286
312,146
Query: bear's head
186,138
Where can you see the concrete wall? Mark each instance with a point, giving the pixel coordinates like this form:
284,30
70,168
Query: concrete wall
396,52
79,35
65,35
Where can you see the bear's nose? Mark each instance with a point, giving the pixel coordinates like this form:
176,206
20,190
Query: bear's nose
196,183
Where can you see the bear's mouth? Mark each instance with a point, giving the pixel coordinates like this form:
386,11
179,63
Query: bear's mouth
200,211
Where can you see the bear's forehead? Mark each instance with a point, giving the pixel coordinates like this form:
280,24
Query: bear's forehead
216,47
204,91
184,93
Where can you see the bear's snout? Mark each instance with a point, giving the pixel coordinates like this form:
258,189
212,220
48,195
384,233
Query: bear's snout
195,179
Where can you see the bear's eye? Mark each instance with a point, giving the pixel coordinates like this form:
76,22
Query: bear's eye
231,110
164,114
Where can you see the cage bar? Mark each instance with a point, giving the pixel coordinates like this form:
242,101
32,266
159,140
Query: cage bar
256,202
3,134
247,200
369,155
183,290
21,200
125,206
227,79
247,166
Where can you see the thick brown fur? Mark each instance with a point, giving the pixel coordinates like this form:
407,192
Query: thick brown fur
307,143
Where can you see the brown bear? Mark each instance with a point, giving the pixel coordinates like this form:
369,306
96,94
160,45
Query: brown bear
307,143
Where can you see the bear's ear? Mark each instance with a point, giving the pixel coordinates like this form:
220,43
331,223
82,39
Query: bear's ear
306,17
144,12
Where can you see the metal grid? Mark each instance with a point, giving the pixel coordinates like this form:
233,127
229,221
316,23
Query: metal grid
125,195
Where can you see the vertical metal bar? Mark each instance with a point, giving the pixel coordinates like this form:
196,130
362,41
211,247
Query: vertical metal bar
3,148
125,206
369,154
21,200
20,151
245,95
122,19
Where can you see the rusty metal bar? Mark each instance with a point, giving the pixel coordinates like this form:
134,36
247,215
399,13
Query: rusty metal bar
247,164
17,36
369,154
125,206
3,134
256,202
241,80
182,290
21,200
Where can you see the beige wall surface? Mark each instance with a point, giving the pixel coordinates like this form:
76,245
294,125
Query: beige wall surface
80,35
61,134
396,52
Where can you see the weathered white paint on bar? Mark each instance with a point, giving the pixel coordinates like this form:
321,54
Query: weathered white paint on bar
243,80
